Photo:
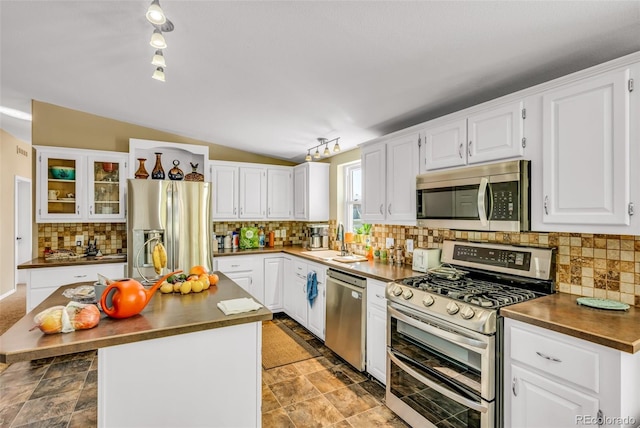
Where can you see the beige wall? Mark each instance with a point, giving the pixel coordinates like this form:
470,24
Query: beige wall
12,164
335,191
62,127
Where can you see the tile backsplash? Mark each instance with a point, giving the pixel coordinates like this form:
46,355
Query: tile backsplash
606,266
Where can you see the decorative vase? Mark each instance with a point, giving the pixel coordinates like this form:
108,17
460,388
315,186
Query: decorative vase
142,171
176,173
194,175
158,172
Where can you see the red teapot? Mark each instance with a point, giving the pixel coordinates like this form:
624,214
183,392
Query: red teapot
129,297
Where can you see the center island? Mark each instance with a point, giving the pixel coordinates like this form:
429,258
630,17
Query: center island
180,362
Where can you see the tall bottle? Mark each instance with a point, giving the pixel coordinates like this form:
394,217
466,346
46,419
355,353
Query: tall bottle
261,237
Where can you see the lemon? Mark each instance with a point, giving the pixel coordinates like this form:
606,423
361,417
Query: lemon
166,287
197,286
186,287
176,287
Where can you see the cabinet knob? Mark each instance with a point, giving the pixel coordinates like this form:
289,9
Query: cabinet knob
469,148
389,209
460,150
514,387
382,209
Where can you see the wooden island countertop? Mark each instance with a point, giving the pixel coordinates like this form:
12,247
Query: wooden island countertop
165,315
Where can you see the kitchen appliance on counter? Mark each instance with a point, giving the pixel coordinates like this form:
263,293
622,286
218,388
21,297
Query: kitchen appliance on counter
425,259
444,338
174,213
494,197
346,310
318,236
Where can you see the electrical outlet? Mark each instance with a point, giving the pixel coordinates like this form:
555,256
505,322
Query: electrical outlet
283,233
79,240
389,242
409,245
277,233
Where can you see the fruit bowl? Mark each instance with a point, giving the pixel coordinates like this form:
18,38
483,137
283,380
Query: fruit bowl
63,172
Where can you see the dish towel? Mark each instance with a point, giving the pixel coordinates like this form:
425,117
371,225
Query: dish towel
312,287
238,306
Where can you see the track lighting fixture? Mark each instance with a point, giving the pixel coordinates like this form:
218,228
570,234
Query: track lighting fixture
155,14
158,74
323,142
158,59
157,40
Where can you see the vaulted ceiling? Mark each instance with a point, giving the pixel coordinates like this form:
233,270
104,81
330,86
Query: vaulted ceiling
272,76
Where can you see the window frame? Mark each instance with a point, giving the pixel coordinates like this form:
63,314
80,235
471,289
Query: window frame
349,204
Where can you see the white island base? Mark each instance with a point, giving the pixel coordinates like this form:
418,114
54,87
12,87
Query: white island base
210,378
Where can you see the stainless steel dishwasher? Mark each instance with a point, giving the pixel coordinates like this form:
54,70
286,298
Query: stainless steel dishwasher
346,316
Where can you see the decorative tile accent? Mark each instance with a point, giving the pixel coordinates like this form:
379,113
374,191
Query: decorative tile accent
112,237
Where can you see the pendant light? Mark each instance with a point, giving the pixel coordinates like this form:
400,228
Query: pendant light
158,59
308,156
326,150
155,14
157,40
316,155
336,147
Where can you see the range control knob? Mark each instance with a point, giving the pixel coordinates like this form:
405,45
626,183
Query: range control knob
396,290
467,312
428,300
407,294
452,308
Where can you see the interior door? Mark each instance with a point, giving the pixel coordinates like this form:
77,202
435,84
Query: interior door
22,221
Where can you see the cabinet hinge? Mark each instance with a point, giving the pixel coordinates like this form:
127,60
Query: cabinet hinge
630,208
524,113
524,142
630,85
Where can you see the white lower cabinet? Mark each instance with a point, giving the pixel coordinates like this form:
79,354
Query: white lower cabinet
555,380
376,330
42,282
242,270
273,282
296,302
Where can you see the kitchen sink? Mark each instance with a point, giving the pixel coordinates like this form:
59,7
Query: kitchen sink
323,254
335,256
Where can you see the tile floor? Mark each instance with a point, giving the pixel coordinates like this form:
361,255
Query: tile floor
319,392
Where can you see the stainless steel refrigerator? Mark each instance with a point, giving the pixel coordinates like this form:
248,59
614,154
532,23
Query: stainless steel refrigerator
176,213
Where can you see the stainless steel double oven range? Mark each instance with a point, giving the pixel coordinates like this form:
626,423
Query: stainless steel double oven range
444,337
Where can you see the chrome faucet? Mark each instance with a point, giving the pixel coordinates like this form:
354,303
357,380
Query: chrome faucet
340,237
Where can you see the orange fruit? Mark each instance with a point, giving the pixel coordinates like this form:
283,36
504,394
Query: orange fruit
213,279
197,270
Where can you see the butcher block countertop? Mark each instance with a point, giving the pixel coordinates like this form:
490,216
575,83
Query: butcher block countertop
560,312
165,315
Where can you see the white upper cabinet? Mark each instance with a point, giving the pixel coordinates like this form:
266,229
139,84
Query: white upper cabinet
389,170
253,192
374,163
311,191
225,191
279,196
445,145
75,185
494,133
588,150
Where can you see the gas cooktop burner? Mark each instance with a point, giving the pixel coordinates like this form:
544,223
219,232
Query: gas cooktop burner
476,292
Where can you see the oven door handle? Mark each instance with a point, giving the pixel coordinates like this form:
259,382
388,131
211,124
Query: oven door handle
458,399
456,338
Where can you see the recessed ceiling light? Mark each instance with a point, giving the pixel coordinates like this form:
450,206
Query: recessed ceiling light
15,113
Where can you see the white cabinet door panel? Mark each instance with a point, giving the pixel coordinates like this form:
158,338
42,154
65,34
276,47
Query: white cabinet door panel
300,193
495,134
586,152
253,192
225,192
402,168
445,145
373,183
273,282
279,198
539,402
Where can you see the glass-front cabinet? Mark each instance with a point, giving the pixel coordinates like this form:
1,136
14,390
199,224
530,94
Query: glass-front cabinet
105,190
75,185
61,186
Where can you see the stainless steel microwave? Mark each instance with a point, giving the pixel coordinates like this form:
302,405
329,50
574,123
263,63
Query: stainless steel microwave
493,197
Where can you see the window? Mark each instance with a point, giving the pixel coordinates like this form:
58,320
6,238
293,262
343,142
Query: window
353,196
